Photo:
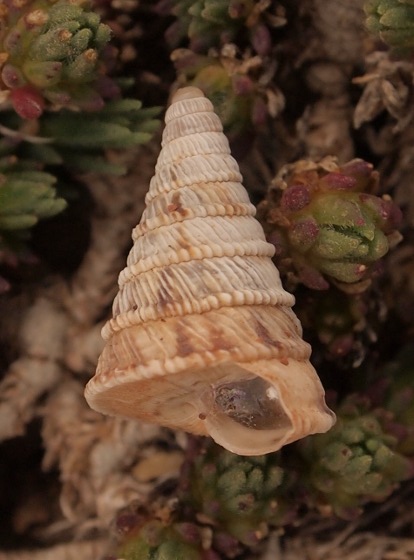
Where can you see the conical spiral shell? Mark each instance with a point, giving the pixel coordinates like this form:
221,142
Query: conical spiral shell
203,337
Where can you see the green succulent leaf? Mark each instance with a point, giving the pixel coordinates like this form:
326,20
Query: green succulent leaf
27,196
393,22
355,462
237,492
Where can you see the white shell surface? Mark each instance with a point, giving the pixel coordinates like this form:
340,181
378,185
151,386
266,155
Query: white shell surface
200,306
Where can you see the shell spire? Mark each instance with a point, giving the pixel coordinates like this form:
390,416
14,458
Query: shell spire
203,337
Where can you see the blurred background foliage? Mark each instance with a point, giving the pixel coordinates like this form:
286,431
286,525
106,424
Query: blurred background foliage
317,100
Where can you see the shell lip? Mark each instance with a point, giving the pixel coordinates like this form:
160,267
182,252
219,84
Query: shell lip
248,442
250,414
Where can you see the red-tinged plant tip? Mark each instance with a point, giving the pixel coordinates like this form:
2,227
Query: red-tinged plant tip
259,111
261,39
11,77
338,181
295,198
330,225
4,284
242,85
305,232
27,102
358,169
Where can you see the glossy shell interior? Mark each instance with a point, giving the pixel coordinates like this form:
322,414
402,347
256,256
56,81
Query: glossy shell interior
203,337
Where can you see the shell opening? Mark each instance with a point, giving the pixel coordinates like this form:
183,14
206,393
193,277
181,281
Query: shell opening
243,412
253,403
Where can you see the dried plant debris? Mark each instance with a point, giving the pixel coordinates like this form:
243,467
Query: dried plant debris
337,30
91,453
72,551
388,87
58,336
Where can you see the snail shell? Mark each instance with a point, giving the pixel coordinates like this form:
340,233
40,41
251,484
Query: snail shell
203,337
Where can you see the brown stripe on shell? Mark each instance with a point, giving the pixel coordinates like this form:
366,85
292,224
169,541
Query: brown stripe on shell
237,326
184,343
204,231
198,195
217,168
194,280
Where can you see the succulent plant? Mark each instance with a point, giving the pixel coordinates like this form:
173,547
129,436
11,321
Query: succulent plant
224,504
393,22
238,494
240,88
162,528
355,462
323,219
157,541
51,55
25,197
81,142
394,390
213,23
74,140
342,327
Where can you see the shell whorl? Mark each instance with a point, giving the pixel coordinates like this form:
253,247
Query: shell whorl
192,116
201,320
197,246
